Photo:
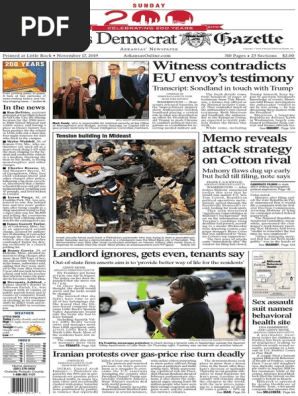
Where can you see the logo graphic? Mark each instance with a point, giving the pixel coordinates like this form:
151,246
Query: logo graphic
196,39
179,16
149,16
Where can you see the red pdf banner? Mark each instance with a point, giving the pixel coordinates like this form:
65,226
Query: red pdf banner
108,28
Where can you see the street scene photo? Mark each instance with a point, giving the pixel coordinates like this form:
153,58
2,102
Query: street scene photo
127,297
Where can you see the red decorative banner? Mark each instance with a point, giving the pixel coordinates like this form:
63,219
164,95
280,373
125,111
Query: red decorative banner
108,28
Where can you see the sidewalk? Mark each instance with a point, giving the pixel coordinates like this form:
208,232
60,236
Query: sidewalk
221,332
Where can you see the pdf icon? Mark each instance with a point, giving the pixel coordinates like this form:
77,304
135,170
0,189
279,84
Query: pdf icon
29,23
54,26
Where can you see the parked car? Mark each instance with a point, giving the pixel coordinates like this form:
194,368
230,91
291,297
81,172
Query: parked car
106,300
213,279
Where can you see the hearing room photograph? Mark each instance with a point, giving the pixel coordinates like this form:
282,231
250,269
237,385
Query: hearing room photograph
101,90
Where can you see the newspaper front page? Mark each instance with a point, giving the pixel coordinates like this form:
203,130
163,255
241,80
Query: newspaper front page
149,204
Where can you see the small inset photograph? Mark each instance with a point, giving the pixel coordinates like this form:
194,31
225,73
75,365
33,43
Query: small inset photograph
101,90
159,303
125,186
24,76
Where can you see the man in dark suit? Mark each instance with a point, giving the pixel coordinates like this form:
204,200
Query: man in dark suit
141,83
116,93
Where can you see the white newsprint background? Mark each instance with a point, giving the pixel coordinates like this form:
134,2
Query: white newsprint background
222,82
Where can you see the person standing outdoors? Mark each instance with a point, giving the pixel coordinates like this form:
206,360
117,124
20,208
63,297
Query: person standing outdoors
193,320
235,308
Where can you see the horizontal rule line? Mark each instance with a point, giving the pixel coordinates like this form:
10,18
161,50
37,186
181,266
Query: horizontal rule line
191,53
157,28
200,9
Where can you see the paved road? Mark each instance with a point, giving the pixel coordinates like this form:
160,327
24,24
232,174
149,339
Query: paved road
121,323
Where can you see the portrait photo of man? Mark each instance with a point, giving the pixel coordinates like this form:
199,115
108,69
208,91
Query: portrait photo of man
116,94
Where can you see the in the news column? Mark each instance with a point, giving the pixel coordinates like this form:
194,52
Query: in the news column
25,203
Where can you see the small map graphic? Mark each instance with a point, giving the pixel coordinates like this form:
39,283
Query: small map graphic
274,274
